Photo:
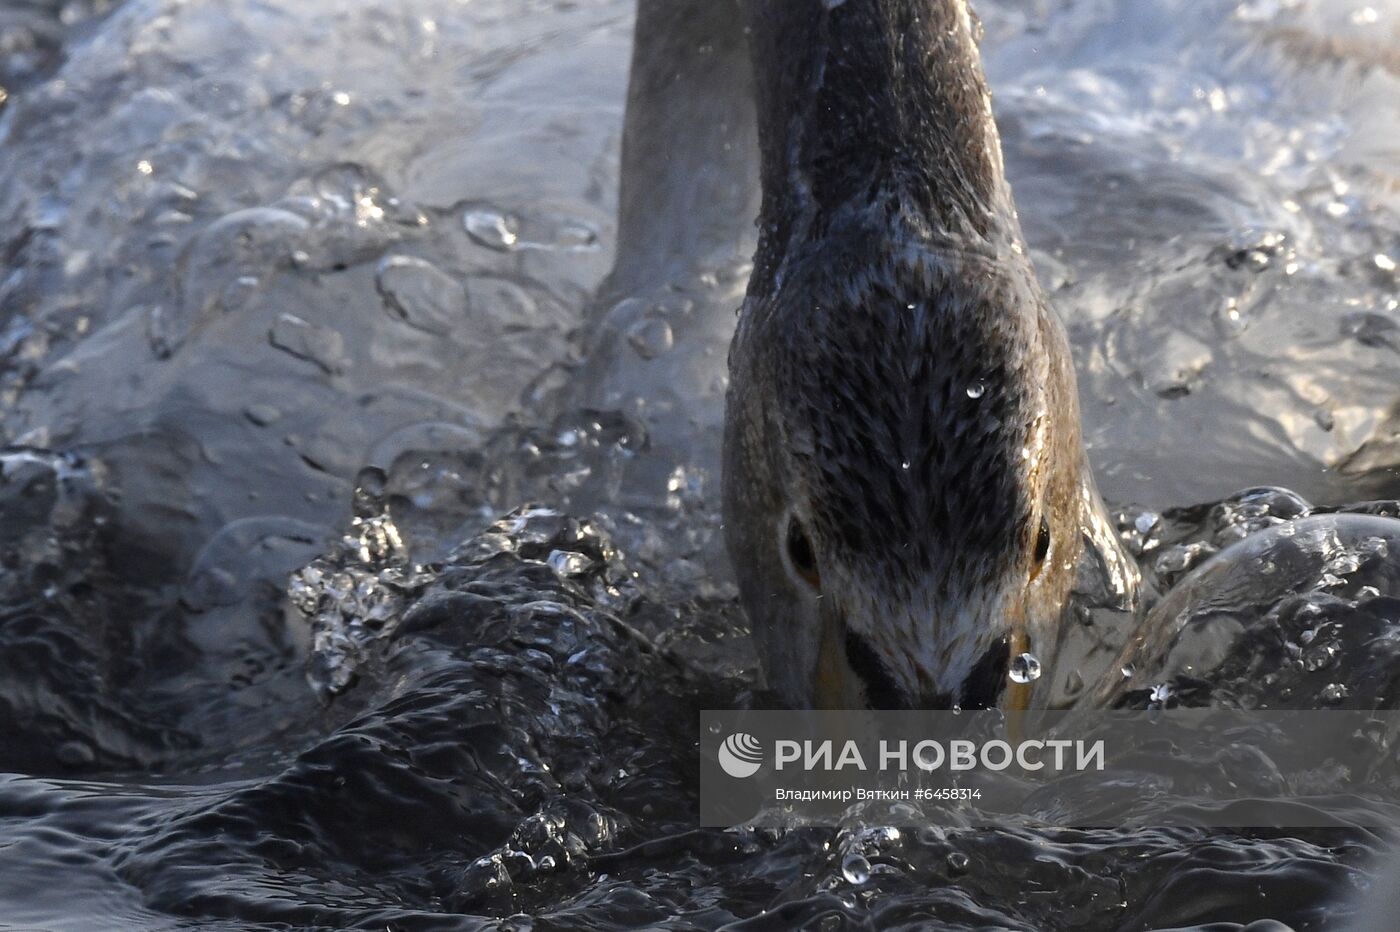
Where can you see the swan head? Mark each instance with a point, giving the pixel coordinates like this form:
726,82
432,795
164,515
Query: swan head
905,486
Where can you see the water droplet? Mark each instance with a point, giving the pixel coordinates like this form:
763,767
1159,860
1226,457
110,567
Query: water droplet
569,563
855,868
1128,671
491,228
976,390
1025,668
957,863
883,835
650,337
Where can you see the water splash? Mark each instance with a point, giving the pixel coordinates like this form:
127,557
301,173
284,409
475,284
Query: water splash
357,593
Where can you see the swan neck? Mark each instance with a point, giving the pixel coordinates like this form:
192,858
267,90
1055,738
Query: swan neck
875,104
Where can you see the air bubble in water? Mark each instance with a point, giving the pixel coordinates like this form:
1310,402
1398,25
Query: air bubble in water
1025,668
320,345
491,228
855,868
421,295
1334,693
976,390
262,415
651,337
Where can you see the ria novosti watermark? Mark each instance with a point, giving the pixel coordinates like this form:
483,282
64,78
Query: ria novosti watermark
1179,766
741,755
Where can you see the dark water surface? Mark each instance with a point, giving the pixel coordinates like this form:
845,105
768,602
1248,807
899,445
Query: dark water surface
331,600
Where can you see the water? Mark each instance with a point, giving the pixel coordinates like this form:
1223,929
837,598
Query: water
361,553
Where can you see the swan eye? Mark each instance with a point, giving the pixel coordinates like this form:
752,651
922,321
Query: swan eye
1042,541
801,555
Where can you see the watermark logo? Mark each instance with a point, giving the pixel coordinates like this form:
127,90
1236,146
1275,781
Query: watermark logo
1086,768
741,755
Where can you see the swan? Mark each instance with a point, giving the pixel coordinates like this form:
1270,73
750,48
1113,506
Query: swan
906,494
